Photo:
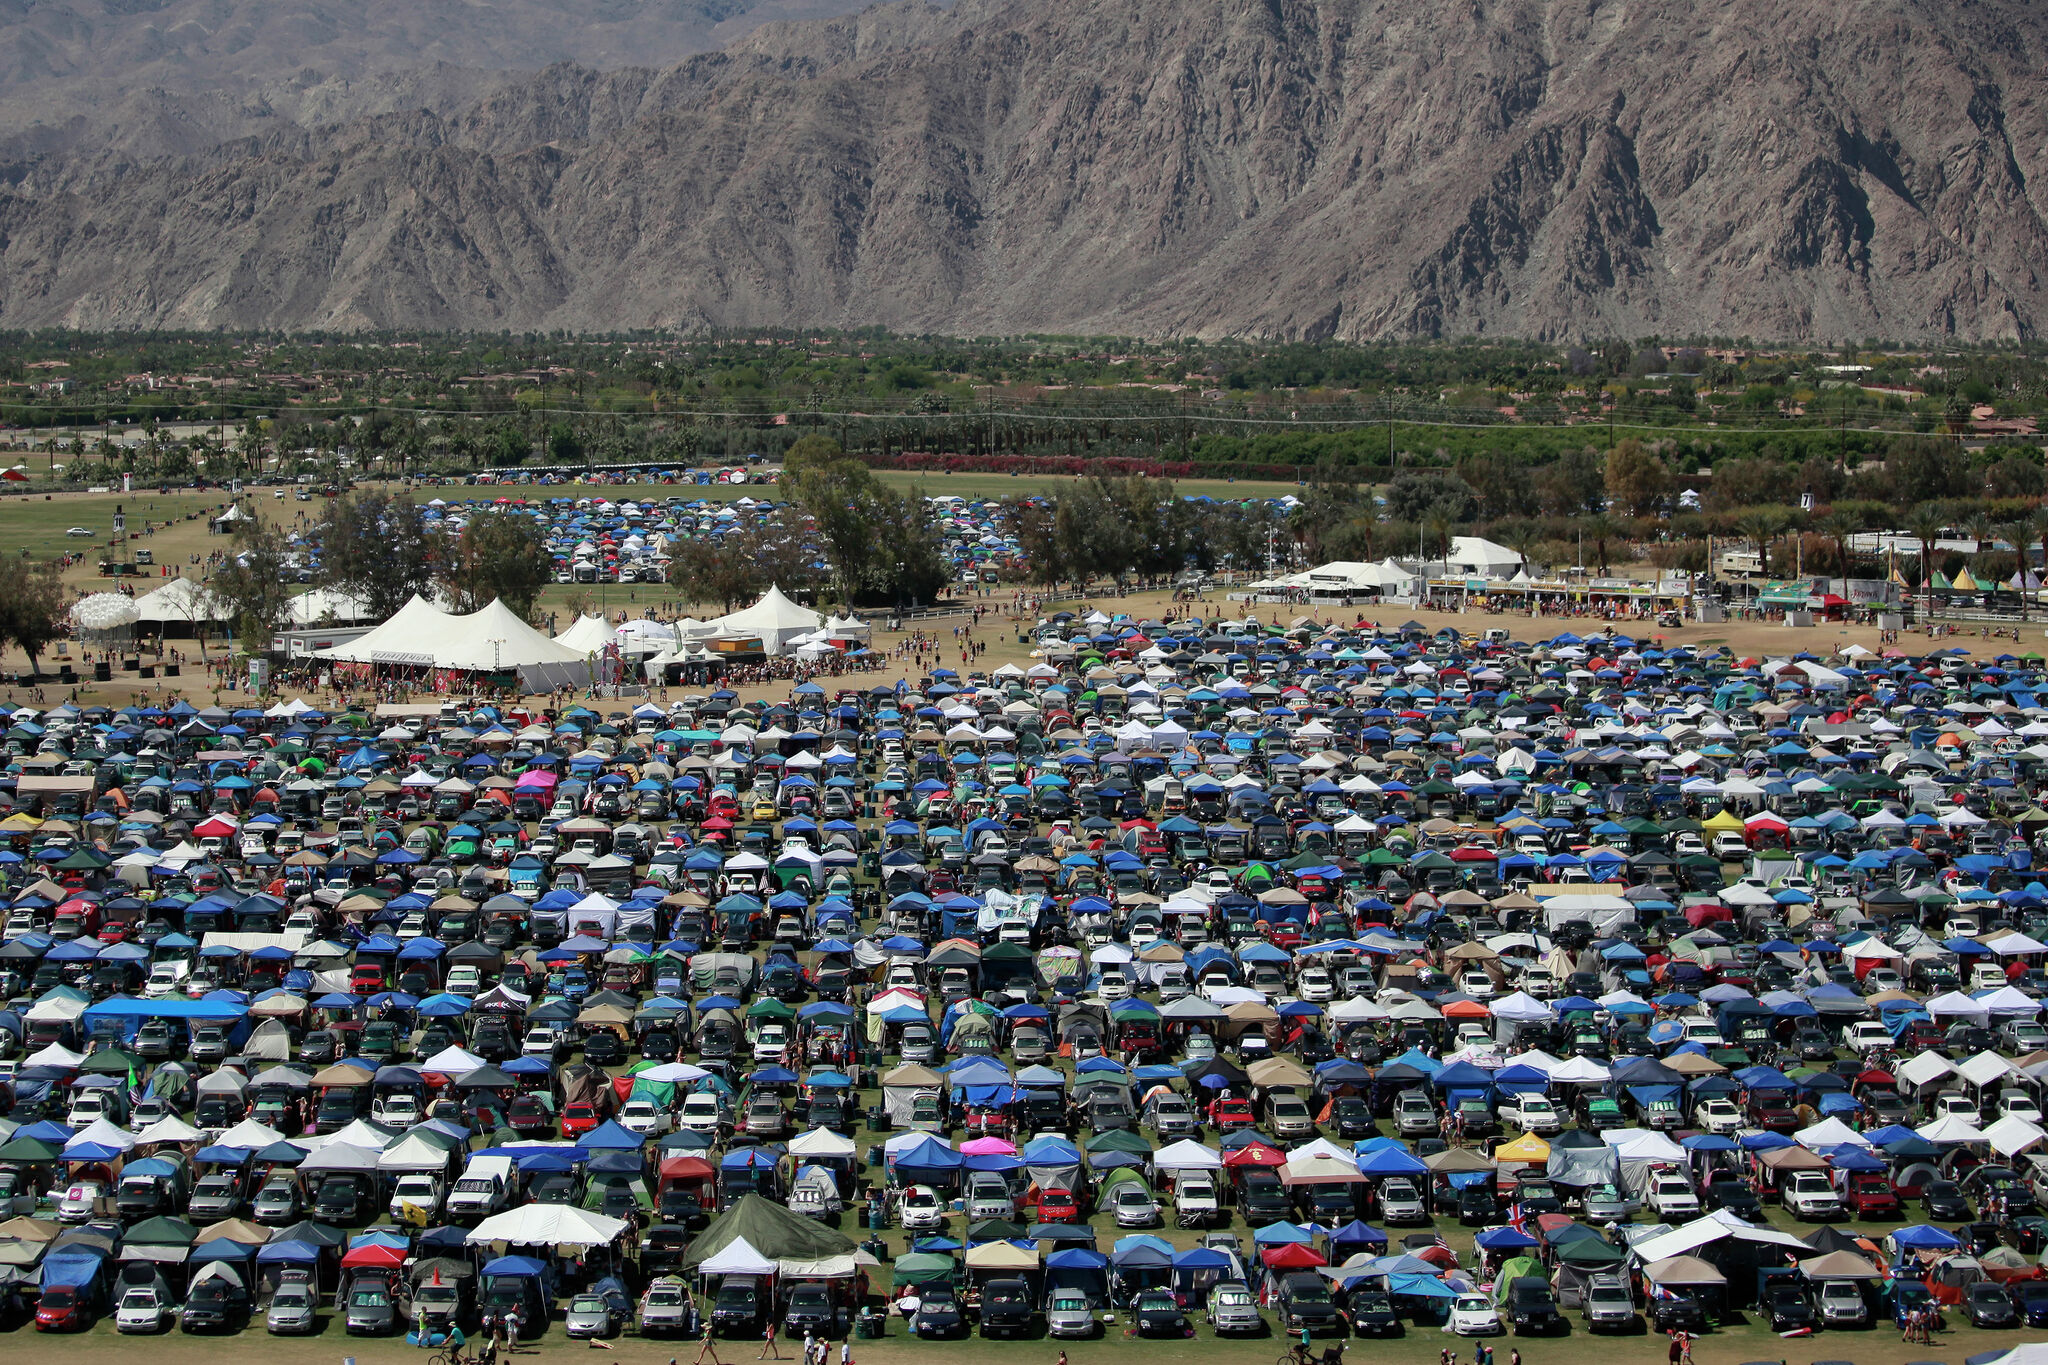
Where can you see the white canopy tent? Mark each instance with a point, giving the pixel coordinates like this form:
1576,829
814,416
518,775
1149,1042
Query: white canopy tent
492,640
774,620
589,635
549,1225
182,601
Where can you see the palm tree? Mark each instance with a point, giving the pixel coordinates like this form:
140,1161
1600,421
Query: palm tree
1602,527
2018,534
1763,526
1521,537
1925,526
1838,526
1439,523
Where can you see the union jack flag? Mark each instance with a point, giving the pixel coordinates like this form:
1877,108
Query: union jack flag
1518,1220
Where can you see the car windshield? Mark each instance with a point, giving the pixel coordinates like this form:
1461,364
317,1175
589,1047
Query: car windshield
368,1298
1067,1304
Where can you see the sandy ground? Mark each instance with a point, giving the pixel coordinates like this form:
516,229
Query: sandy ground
181,540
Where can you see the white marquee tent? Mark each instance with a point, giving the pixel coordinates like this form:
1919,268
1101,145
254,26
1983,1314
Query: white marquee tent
774,620
182,601
491,640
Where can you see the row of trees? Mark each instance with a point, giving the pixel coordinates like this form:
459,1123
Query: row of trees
377,547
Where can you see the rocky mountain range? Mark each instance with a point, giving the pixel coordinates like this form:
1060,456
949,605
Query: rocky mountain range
1304,168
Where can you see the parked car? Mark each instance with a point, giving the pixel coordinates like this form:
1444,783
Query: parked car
1473,1315
1231,1309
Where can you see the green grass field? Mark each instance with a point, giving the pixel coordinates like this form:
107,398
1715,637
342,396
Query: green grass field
29,523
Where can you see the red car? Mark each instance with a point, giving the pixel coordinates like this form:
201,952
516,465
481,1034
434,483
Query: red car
580,1118
1228,1116
63,1308
1058,1206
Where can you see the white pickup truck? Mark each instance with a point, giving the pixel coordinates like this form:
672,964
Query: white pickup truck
1809,1195
1532,1114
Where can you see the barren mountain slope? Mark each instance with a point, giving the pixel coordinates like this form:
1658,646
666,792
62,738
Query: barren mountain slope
1294,167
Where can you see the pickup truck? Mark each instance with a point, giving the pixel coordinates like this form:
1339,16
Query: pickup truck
1532,1114
1870,1195
1671,1197
1808,1195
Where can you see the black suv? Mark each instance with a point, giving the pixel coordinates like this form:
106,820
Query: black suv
1305,1303
1531,1308
1006,1309
1373,1315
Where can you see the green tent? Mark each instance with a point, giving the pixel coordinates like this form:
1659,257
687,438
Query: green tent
770,1229
161,1231
1118,1140
1514,1268
994,1230
921,1267
1590,1253
30,1150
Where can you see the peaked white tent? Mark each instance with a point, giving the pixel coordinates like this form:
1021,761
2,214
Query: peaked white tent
325,604
737,1257
774,620
589,635
553,1225
1475,557
182,601
494,639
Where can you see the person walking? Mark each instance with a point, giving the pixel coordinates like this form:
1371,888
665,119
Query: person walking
769,1350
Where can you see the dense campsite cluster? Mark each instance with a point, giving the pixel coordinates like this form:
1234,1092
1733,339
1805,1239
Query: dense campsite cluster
1202,976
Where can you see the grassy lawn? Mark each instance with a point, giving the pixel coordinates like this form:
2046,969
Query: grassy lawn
30,523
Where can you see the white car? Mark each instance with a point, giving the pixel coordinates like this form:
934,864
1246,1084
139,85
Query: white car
79,532
421,1191
141,1310
1719,1116
1472,1315
644,1116
1476,982
920,1209
396,1110
1315,985
1810,1196
771,1044
2018,1104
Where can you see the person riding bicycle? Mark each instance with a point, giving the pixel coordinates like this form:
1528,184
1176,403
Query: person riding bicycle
1301,1348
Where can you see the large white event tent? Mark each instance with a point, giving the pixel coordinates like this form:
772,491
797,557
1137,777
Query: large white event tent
774,620
182,602
590,635
492,640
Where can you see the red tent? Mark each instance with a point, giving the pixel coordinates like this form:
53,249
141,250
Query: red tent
1255,1154
1292,1256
